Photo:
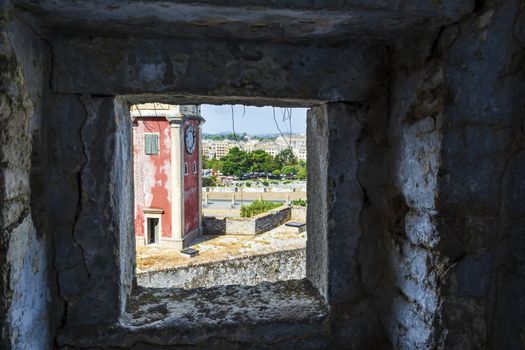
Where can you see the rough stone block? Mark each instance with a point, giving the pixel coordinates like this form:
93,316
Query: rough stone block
279,72
93,212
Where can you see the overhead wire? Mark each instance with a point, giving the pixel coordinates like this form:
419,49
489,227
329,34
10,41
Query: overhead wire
290,111
233,128
278,128
145,122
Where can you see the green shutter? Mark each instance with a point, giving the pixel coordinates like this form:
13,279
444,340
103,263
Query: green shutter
147,144
156,144
151,144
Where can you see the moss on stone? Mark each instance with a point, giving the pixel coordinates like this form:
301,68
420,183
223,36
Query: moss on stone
437,3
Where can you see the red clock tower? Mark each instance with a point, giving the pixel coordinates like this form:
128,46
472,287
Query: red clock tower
167,173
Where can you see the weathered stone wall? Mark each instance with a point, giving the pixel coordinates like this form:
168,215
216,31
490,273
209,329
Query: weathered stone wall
247,226
299,214
457,136
415,267
316,244
248,271
481,180
26,320
415,215
121,190
267,221
213,226
92,214
137,66
348,178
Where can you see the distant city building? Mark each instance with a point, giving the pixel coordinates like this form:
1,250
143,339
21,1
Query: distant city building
296,142
220,148
217,149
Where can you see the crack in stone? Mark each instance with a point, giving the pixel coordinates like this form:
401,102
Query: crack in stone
80,188
18,221
363,190
59,294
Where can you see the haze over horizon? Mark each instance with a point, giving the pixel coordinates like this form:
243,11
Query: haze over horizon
252,120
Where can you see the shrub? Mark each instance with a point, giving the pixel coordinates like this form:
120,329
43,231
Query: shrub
301,174
248,184
299,202
209,181
265,183
288,170
257,207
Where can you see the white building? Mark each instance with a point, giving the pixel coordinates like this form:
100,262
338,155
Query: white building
220,148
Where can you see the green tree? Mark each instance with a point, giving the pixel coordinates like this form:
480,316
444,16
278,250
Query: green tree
216,137
214,163
289,170
236,162
261,161
285,157
205,162
302,174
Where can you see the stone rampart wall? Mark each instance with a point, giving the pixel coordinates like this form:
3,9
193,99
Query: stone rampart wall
276,266
247,226
272,219
298,213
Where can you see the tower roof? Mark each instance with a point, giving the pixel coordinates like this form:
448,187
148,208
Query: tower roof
169,111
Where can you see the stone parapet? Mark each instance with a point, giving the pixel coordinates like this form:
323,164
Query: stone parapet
276,266
247,226
299,213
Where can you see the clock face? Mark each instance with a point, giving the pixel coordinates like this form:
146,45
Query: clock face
189,138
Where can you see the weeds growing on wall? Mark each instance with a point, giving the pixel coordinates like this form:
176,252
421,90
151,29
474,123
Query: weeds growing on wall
299,202
257,207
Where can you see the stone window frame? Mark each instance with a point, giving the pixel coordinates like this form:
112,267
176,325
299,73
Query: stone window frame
330,125
321,108
321,273
332,266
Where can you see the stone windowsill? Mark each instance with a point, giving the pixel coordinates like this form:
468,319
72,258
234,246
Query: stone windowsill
267,313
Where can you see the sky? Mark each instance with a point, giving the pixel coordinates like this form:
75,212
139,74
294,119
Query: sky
256,120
